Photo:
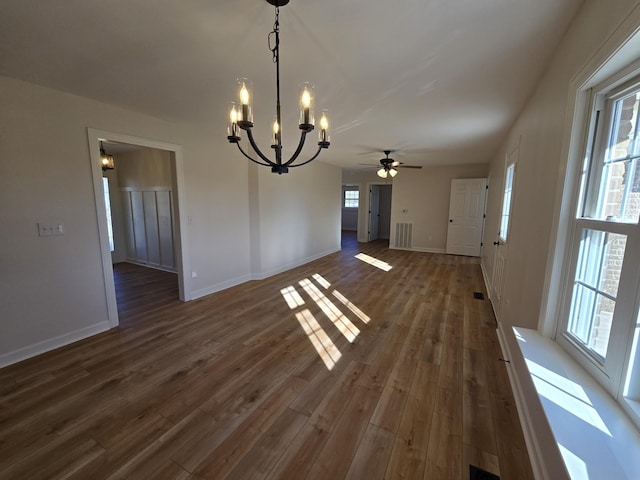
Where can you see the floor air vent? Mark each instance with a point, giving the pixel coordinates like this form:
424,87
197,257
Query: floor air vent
404,235
479,474
478,295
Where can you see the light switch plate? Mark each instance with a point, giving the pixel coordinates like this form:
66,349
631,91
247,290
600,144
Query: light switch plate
46,230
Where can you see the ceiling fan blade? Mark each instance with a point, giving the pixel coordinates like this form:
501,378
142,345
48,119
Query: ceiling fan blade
367,149
409,166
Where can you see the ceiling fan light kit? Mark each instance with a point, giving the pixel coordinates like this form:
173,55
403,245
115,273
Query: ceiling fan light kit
241,115
384,172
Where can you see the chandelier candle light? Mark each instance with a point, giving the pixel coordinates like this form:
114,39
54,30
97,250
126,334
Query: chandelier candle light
242,117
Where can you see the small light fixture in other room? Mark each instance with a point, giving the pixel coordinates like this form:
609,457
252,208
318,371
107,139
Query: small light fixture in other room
106,160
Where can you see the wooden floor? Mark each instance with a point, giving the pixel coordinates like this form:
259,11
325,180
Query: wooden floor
337,369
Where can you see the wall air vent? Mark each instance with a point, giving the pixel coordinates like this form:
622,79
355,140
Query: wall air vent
404,235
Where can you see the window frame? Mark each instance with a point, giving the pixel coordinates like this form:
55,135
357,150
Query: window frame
109,213
345,199
612,371
503,236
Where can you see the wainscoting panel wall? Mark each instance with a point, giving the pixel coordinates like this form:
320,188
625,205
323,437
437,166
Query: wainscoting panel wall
148,218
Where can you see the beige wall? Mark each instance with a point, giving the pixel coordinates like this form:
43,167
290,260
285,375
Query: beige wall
52,289
421,197
424,194
144,168
299,217
540,131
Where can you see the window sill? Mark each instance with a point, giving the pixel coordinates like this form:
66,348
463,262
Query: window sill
595,436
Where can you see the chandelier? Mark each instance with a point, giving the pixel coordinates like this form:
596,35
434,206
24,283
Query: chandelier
241,116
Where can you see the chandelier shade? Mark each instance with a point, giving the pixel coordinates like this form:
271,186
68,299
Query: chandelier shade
241,114
106,160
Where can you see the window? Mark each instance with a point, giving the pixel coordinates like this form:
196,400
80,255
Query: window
595,288
614,180
506,201
351,198
601,319
107,204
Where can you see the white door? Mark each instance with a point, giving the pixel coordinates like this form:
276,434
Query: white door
374,211
501,244
466,216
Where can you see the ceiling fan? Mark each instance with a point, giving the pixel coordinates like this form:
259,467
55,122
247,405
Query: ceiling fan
389,166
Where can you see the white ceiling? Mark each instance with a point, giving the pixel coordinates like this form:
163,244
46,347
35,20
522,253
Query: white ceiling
440,80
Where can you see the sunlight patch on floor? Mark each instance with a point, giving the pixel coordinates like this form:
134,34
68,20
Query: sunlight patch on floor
347,303
374,261
333,313
321,280
321,341
292,297
325,347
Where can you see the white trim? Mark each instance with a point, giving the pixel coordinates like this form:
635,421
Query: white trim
101,217
488,285
182,260
220,286
49,344
289,266
597,440
419,249
533,448
150,265
160,188
546,463
257,276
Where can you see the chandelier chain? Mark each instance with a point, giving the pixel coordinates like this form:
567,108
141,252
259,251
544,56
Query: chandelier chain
275,34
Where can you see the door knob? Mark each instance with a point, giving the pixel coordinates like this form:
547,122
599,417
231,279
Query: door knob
496,243
450,220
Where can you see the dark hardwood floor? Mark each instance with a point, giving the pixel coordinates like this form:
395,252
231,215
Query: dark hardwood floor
336,369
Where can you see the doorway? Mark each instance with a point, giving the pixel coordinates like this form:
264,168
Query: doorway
379,213
177,230
350,207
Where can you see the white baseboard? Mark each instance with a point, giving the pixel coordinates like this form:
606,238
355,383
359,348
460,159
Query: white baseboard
220,286
284,268
38,348
419,249
485,277
256,275
151,265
